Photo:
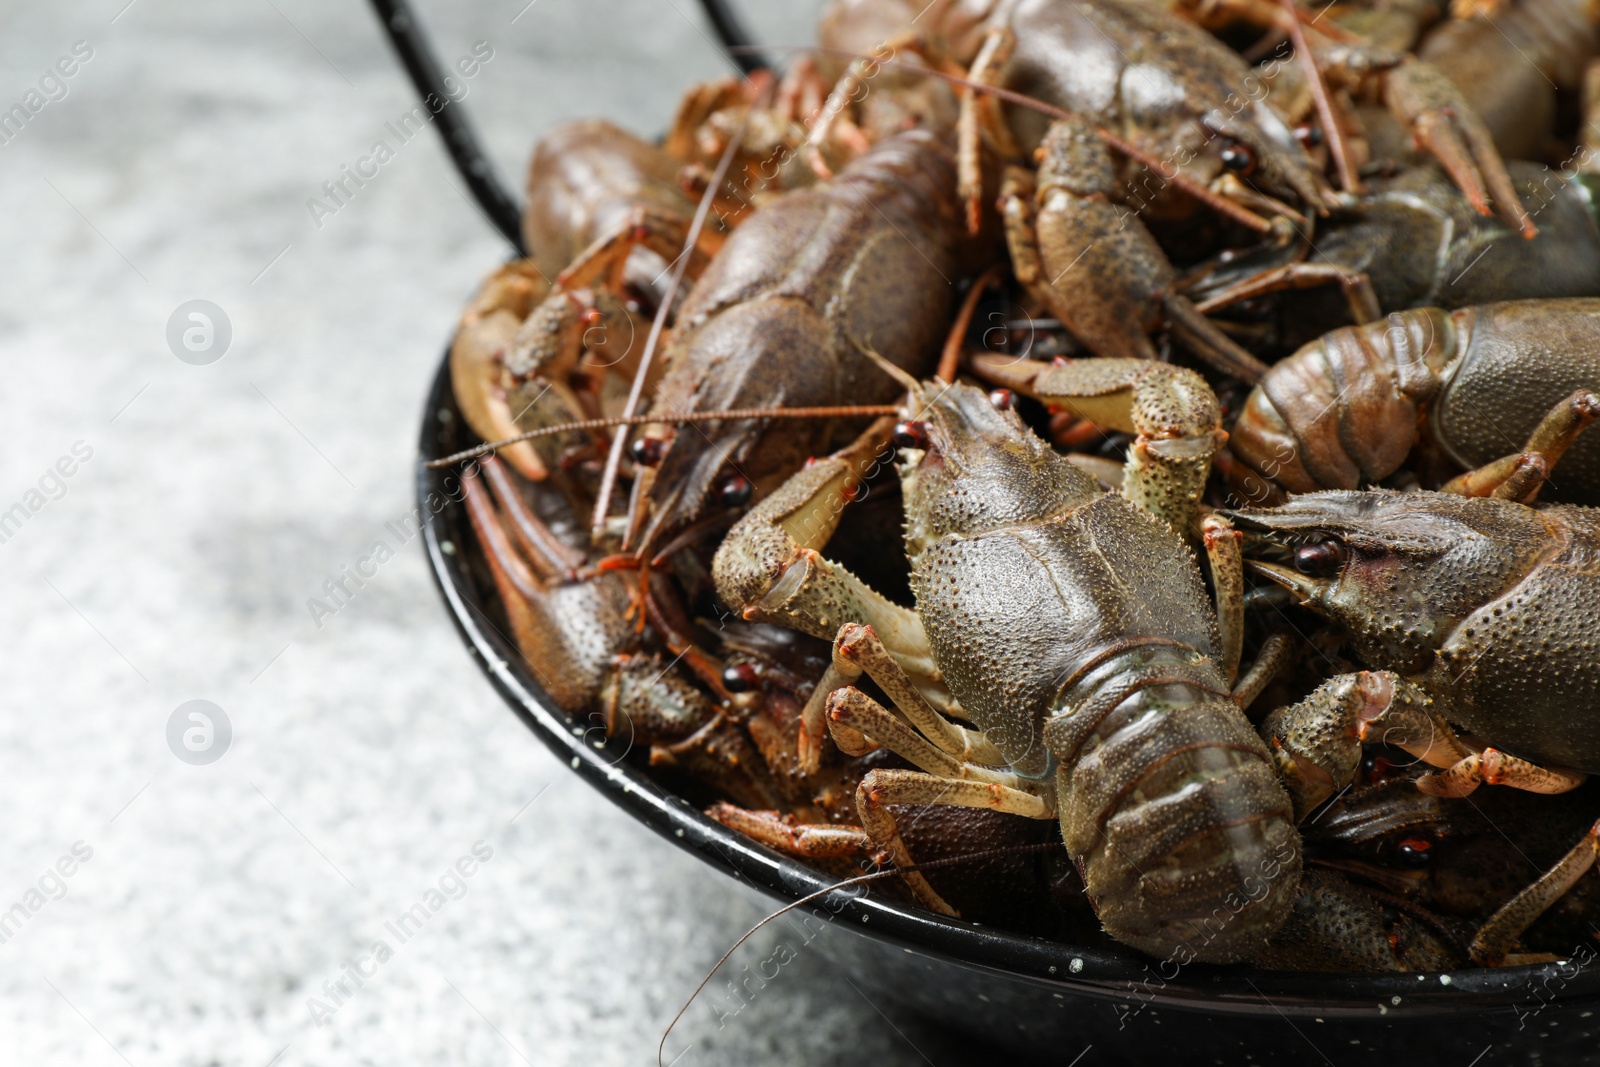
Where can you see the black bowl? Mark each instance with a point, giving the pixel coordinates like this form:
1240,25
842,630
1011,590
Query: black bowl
1023,993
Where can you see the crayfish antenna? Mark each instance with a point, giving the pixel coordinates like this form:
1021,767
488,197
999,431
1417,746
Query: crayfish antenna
830,411
1322,100
862,879
608,475
899,374
1198,190
951,359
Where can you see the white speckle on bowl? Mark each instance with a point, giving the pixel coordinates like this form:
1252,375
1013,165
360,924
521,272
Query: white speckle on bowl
1076,965
1444,979
1395,999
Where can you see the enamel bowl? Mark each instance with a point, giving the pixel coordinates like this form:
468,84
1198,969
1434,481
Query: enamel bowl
1023,993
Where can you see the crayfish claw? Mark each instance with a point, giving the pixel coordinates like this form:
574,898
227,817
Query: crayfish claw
1446,126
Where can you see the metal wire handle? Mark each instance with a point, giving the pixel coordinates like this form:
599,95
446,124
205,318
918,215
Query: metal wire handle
416,53
736,42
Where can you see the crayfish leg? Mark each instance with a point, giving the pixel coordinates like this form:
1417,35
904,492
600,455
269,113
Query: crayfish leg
1493,767
1223,552
858,650
1275,654
958,767
663,607
785,833
1357,286
663,233
1522,474
1171,409
1018,216
700,103
1495,938
1207,341
1446,126
720,755
836,125
981,114
881,788
580,333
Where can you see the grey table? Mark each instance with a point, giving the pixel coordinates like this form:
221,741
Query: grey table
165,526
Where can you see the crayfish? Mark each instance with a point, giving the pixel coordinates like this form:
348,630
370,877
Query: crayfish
865,611
1076,636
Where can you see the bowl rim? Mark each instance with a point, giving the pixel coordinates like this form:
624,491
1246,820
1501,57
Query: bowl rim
1117,976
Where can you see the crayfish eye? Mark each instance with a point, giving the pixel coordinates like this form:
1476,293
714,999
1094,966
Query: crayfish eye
1415,852
648,451
1002,399
1321,560
912,433
734,491
1376,768
1309,134
1239,158
739,678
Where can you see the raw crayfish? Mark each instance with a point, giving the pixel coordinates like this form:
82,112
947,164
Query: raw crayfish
1064,660
1477,612
1075,634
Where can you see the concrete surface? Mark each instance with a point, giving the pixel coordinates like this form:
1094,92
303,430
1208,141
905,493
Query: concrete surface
211,910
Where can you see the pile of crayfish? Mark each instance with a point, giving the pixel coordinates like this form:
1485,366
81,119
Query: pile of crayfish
1133,445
